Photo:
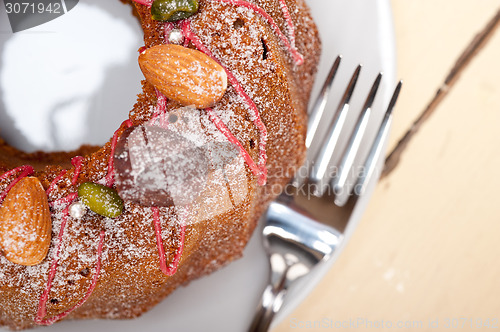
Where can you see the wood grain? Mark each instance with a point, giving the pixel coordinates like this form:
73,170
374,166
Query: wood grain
425,254
430,36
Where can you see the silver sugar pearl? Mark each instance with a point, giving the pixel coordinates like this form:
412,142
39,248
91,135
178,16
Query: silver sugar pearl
176,37
77,210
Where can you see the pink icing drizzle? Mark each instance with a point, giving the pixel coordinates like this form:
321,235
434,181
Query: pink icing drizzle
231,138
289,22
77,163
109,179
25,170
161,100
54,182
172,267
42,305
160,112
65,200
161,107
144,2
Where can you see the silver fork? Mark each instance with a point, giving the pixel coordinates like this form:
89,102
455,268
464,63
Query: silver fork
294,240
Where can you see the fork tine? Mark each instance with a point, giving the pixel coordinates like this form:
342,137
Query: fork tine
377,146
287,237
341,186
320,103
324,156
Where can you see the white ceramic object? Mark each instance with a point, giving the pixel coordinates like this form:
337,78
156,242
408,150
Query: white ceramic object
360,30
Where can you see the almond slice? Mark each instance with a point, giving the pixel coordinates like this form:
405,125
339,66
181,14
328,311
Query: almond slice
184,75
25,223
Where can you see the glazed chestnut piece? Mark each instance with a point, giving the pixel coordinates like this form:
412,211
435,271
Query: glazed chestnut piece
157,167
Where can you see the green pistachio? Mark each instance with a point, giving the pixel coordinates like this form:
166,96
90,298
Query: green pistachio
173,10
101,199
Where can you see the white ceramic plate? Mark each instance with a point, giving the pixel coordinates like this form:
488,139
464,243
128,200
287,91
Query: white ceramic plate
360,30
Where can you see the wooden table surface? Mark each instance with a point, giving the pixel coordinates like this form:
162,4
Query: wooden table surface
426,255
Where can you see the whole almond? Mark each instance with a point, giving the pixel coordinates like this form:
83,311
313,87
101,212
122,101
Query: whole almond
184,75
25,223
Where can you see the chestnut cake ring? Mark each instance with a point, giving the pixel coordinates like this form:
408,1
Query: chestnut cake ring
217,131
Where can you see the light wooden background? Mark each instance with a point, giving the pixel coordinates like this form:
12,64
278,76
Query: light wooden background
426,256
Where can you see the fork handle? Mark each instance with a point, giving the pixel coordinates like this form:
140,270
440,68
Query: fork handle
270,304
